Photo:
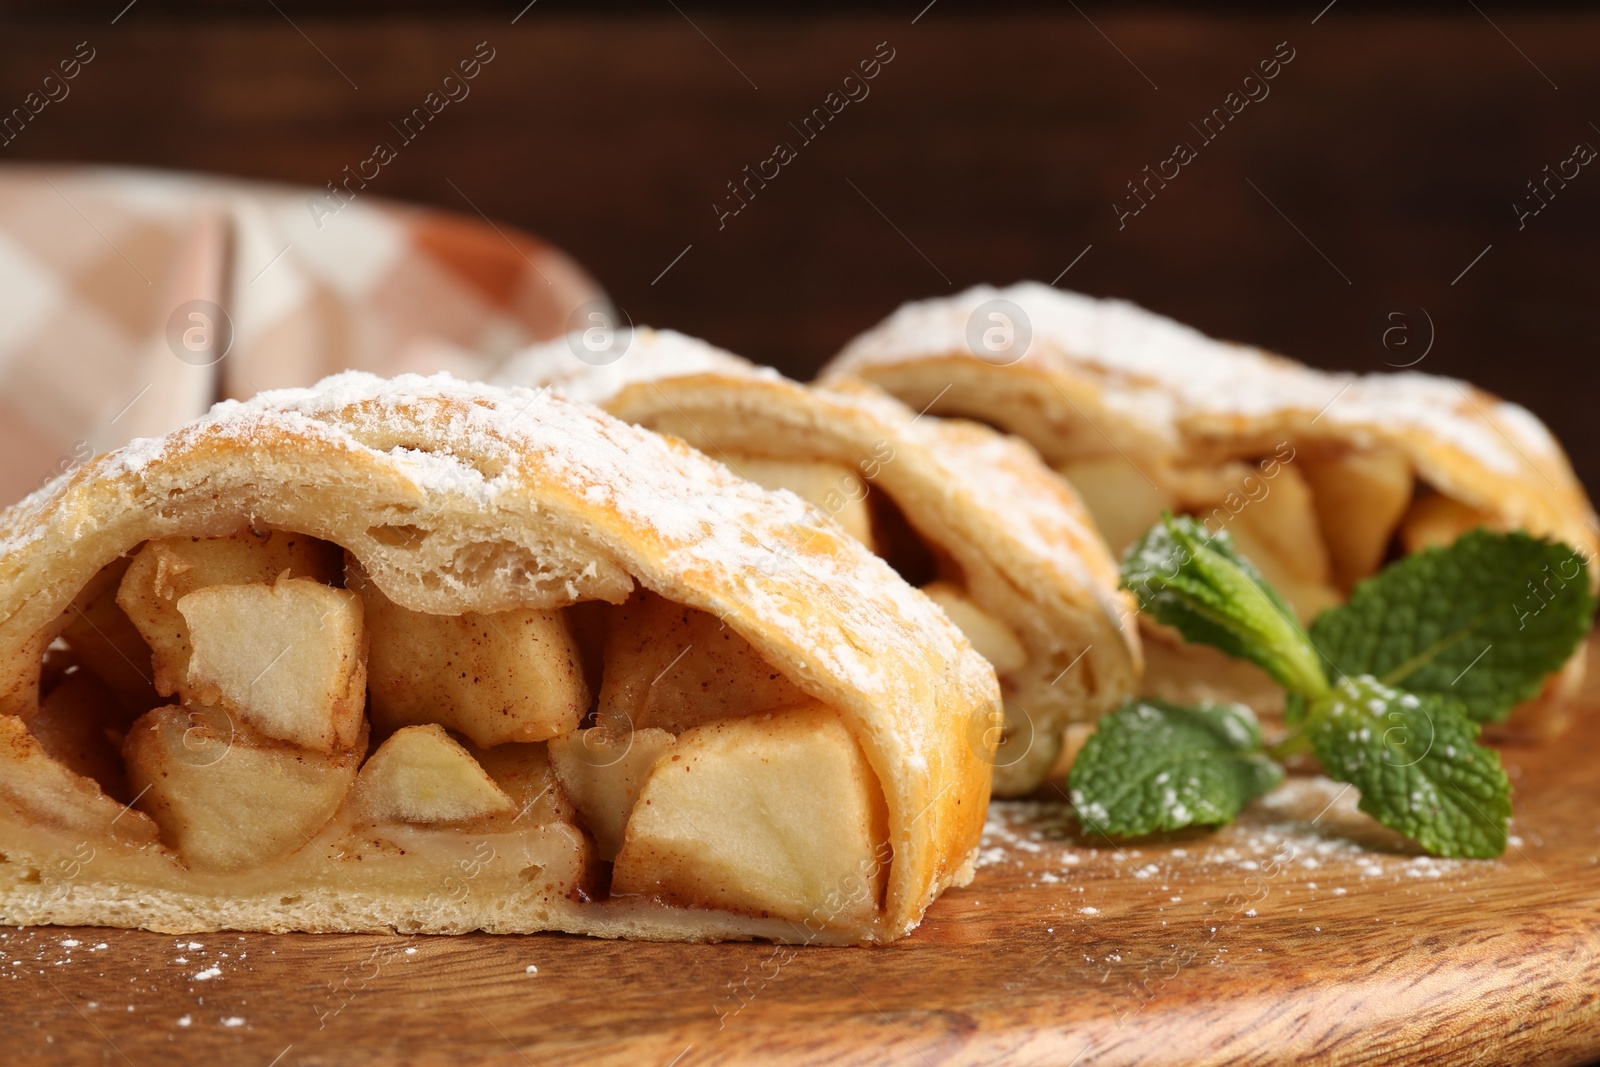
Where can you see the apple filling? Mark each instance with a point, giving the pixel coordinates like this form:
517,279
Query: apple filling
1028,680
279,720
1315,520
871,518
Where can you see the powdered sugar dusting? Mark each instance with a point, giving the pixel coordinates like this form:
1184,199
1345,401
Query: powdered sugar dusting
1170,379
1129,910
647,355
1046,518
704,515
1301,842
1047,524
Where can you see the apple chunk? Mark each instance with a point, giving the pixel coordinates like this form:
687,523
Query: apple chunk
105,642
778,815
1283,520
603,774
76,724
524,772
422,775
164,572
1360,499
673,667
41,788
510,676
1122,500
226,799
836,489
994,640
288,658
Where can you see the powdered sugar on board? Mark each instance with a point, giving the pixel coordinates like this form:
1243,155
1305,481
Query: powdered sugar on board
1300,844
199,967
1301,864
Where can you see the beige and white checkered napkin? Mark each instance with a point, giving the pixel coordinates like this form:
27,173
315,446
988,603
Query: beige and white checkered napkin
130,301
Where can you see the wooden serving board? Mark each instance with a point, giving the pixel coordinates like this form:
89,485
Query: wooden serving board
1305,931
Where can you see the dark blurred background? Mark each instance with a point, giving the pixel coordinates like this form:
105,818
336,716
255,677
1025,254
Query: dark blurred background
1380,177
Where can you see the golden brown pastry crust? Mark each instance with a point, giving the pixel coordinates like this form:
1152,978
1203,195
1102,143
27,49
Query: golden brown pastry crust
1105,373
1027,551
510,498
1104,378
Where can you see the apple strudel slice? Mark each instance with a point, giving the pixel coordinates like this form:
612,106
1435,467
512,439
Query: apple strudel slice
969,515
435,657
1319,477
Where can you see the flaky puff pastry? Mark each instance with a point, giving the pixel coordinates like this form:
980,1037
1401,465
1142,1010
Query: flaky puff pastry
970,514
451,499
1320,477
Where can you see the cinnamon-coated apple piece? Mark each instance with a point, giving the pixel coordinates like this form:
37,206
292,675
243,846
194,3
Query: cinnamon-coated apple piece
777,815
227,798
511,676
423,775
164,572
673,667
603,773
836,489
288,658
994,640
1360,498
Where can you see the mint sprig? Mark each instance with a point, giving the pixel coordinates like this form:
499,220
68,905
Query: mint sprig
1416,761
1155,766
1484,621
1194,581
1379,689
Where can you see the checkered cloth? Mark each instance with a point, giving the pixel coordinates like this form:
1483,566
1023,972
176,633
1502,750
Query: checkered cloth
130,301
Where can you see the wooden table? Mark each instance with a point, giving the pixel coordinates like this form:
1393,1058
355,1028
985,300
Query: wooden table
1305,930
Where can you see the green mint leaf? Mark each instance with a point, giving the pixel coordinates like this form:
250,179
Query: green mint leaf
1191,579
1416,760
1484,621
1154,766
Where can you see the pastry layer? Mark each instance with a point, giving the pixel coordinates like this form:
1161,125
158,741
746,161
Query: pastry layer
452,499
971,515
1320,477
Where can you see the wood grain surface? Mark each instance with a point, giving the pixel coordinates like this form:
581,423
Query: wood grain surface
1305,931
